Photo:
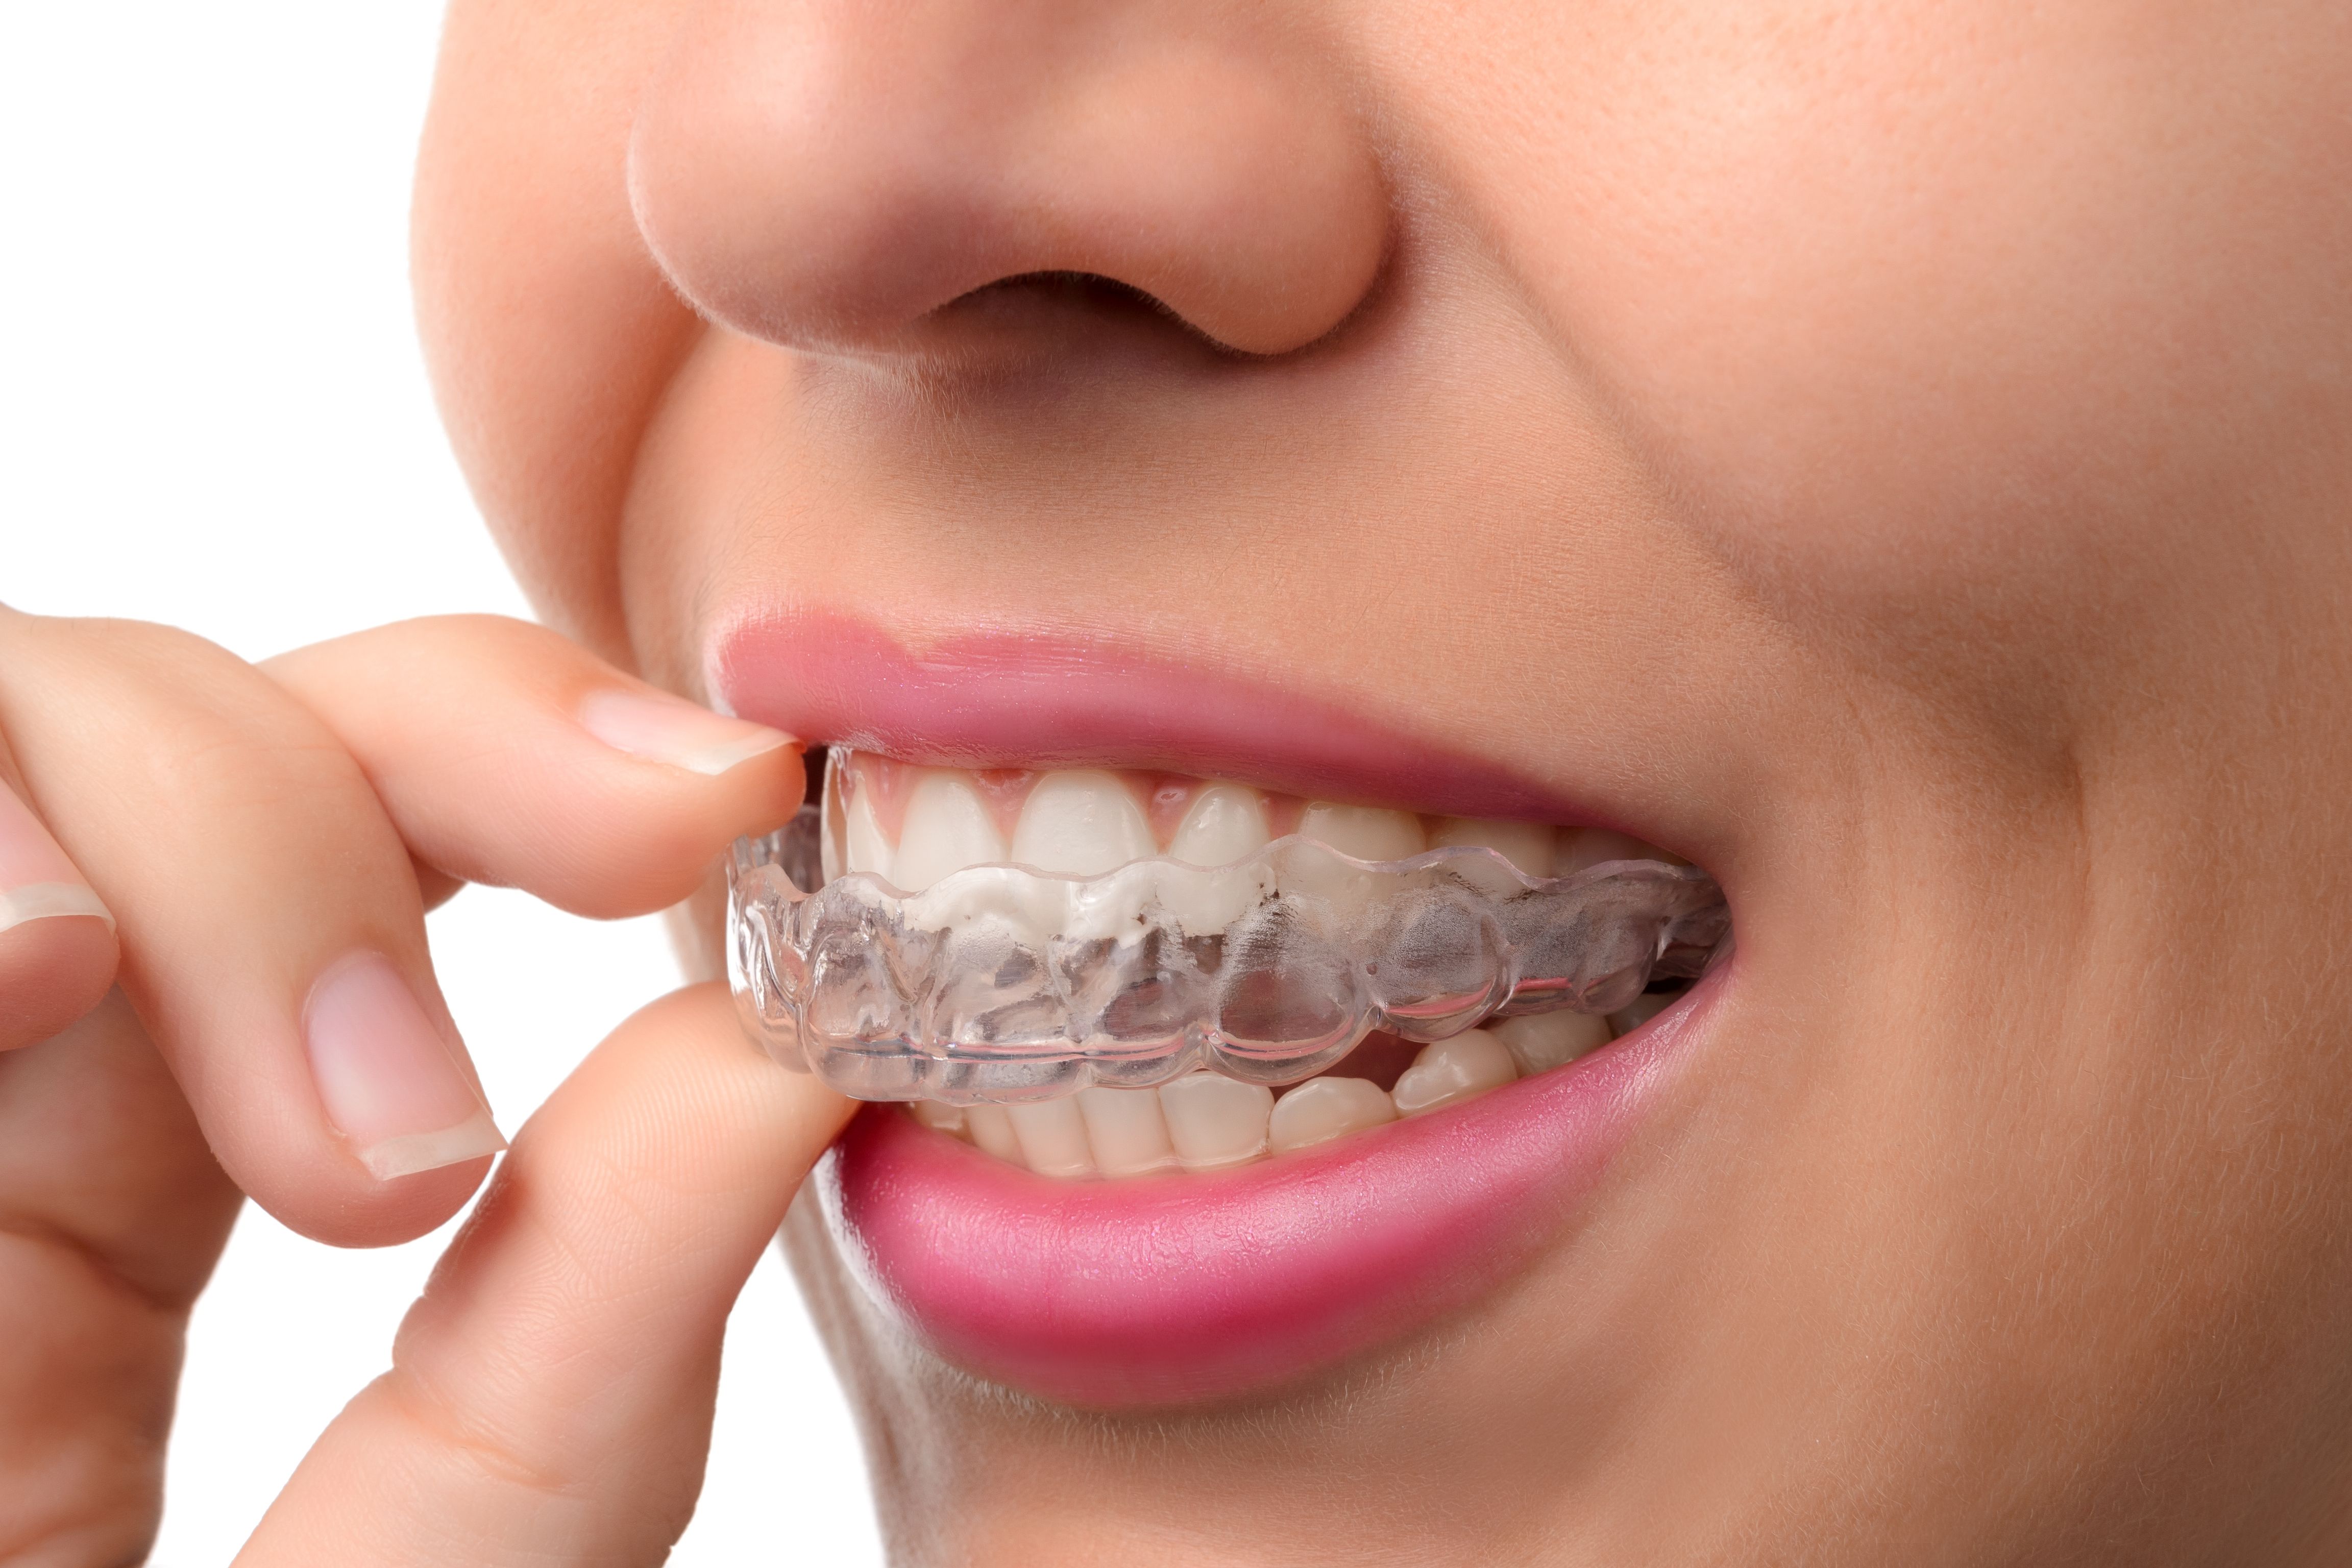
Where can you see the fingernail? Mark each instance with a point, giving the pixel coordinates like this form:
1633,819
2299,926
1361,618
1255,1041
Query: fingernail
665,729
36,881
387,1078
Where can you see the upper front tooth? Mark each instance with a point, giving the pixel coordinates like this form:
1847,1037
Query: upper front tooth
867,850
1225,823
1526,844
948,828
1081,824
1365,832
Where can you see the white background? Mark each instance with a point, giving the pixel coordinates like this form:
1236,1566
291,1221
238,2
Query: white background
212,413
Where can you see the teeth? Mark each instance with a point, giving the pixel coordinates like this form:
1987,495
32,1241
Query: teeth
1469,1064
1526,844
1323,1109
1214,1120
1224,823
1081,824
1545,1041
1642,1009
992,1129
948,828
867,849
1127,1131
1053,1137
1578,848
1365,832
946,1118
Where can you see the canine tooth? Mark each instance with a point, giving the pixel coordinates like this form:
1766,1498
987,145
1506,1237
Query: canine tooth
1126,1131
867,849
1642,1009
1053,1138
1081,823
992,1129
947,828
1578,848
1542,1041
1469,1064
1215,1121
1323,1109
1225,823
1526,844
945,1117
1365,832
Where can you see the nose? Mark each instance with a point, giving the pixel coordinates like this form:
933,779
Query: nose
829,175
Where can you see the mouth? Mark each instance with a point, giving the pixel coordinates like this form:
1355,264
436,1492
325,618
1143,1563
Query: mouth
1205,1085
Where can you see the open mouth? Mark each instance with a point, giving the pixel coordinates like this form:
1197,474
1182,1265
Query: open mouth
1208,1076
1097,972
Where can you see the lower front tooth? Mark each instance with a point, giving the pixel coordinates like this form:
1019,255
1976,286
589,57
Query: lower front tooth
1053,1138
1126,1130
1469,1064
1214,1120
945,1117
1323,1109
992,1129
1543,1041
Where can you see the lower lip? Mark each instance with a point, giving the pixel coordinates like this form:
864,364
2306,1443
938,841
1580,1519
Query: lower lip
1180,1289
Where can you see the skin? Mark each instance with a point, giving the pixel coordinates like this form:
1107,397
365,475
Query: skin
1896,456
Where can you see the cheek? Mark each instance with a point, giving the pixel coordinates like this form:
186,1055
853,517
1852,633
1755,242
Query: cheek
1919,301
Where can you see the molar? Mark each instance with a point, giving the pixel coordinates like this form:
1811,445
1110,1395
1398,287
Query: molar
1469,1064
948,828
1214,1120
1323,1109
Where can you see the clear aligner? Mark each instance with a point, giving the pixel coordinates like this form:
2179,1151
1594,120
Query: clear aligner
999,983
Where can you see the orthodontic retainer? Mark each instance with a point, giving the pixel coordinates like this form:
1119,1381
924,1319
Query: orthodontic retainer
1004,984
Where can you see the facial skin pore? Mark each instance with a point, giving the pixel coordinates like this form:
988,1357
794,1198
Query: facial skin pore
1899,455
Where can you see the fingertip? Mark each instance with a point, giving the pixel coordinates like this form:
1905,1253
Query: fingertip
54,967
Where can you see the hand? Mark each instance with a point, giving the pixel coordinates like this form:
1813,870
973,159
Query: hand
551,1395
265,842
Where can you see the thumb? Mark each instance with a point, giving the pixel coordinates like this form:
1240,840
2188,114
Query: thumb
551,1395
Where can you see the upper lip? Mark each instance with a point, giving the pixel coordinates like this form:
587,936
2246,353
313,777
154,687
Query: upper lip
991,698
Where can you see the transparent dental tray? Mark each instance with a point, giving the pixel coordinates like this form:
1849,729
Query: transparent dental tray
999,983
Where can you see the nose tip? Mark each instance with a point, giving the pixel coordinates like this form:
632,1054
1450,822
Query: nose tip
829,175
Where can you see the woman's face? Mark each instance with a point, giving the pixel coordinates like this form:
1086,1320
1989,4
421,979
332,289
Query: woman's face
1894,455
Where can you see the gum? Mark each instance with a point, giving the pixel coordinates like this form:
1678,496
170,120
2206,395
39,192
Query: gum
1002,984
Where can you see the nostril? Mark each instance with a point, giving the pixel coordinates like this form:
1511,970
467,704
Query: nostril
810,175
1036,308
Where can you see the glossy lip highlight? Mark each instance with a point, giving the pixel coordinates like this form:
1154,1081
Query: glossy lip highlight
1004,699
1168,1291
